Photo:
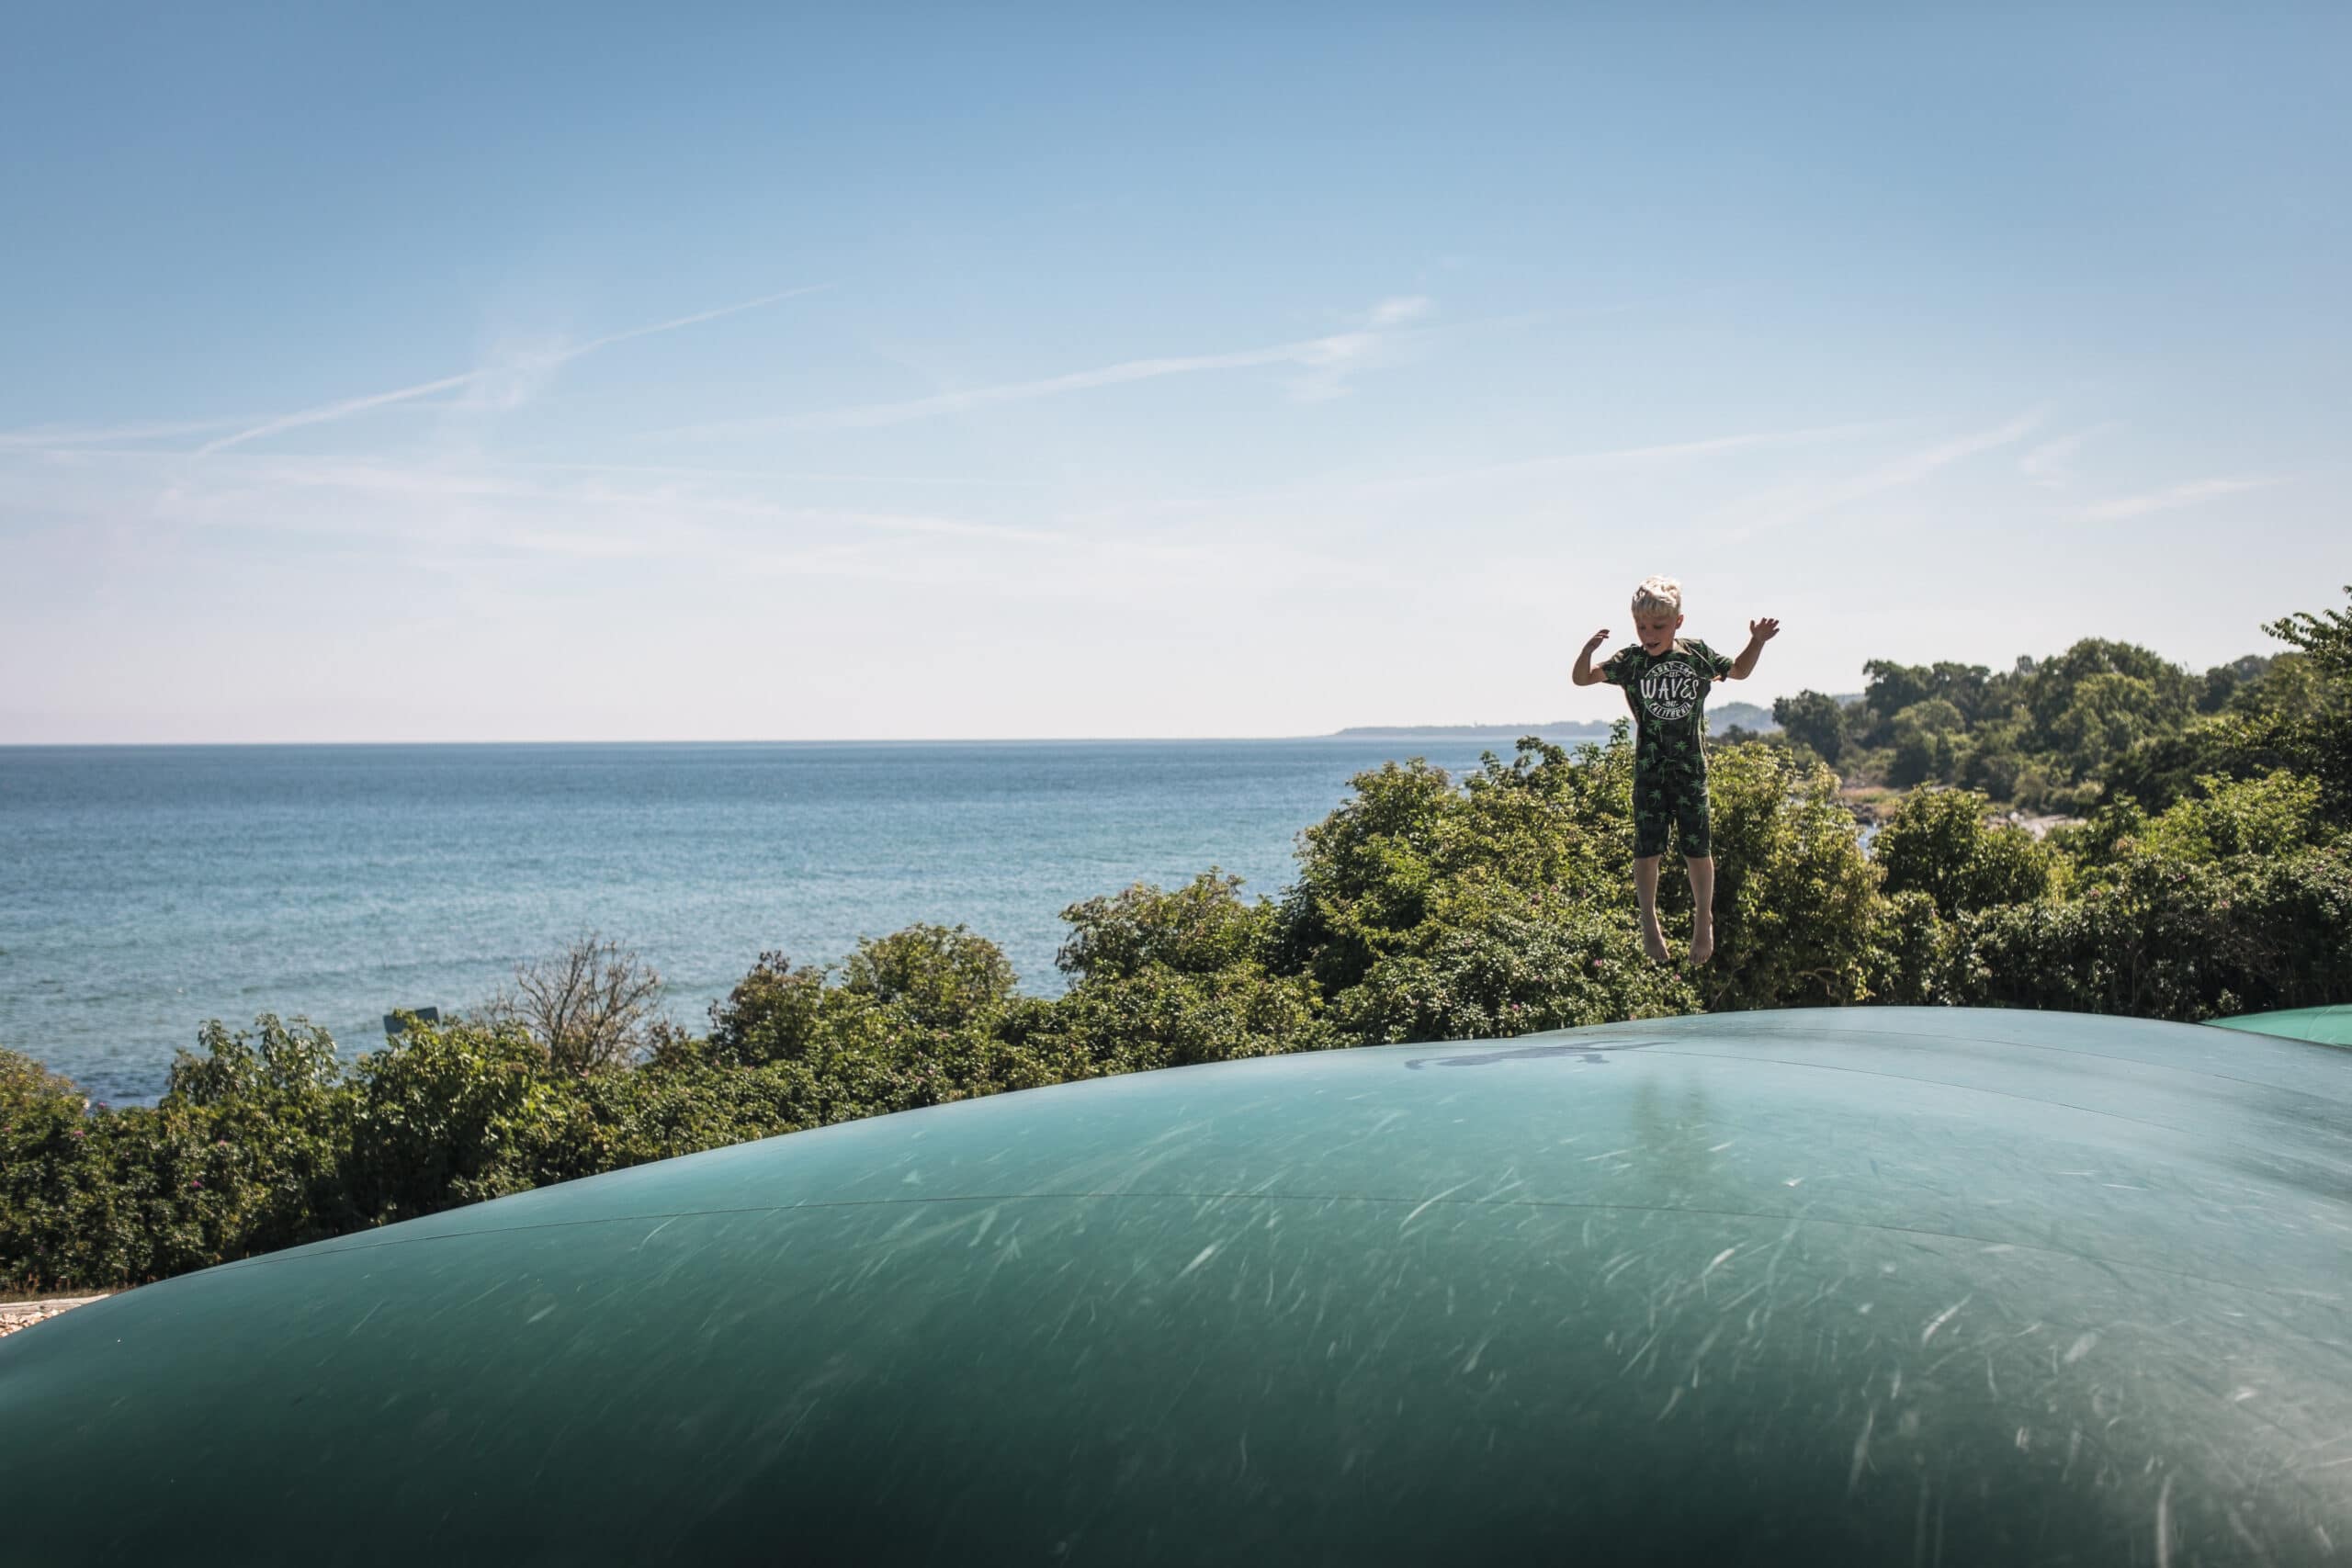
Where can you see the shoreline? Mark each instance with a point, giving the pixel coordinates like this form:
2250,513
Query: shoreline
16,1317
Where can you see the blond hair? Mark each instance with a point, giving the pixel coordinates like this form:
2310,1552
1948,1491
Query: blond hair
1658,594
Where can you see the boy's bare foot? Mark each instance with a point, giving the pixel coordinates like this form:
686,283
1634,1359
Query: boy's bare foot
1702,944
1654,940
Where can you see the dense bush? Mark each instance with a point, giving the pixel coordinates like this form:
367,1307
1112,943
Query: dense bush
2160,937
1502,900
51,1187
448,1115
1939,842
2233,899
2213,876
1796,900
1500,965
940,978
1171,977
241,1156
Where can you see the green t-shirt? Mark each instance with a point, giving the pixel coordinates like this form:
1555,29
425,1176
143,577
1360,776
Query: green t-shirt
1669,695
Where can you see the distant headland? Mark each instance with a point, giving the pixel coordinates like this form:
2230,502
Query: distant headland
1720,717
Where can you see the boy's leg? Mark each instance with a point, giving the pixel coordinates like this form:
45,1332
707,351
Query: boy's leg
1653,815
1691,815
1702,906
1645,891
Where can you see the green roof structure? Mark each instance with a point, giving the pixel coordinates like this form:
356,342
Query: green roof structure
2324,1026
1876,1285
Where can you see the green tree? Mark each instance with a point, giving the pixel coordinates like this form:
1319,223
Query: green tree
1992,760
2273,816
452,1113
2223,681
96,1197
2159,770
1368,870
1796,899
2316,733
1423,910
1169,977
774,1013
1938,844
943,977
49,1182
2162,936
1156,1016
1924,744
2106,716
2131,679
276,1103
1890,687
1912,952
1815,719
1202,928
1501,962
922,1017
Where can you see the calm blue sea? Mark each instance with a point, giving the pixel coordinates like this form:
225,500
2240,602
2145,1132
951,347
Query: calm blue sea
143,890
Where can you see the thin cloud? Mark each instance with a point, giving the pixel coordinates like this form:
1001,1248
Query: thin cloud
514,371
1327,361
1664,451
492,504
962,528
2192,494
64,437
344,409
1338,359
793,476
1790,505
873,414
697,319
2051,463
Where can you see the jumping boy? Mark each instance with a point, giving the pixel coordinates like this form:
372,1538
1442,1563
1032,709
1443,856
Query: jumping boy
1665,678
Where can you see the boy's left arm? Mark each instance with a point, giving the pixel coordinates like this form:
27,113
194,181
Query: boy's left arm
1759,634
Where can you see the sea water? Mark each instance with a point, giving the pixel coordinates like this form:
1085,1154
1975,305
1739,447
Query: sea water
146,889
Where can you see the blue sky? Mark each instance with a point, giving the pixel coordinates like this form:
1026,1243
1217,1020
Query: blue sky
503,372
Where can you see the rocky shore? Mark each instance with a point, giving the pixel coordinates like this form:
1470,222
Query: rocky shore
14,1315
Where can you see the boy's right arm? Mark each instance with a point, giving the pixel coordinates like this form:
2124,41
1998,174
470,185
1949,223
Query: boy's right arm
1585,674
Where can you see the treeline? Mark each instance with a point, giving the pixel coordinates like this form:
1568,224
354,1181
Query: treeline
2213,876
2102,721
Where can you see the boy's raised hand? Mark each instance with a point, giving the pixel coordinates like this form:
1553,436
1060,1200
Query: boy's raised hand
1595,639
1764,630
